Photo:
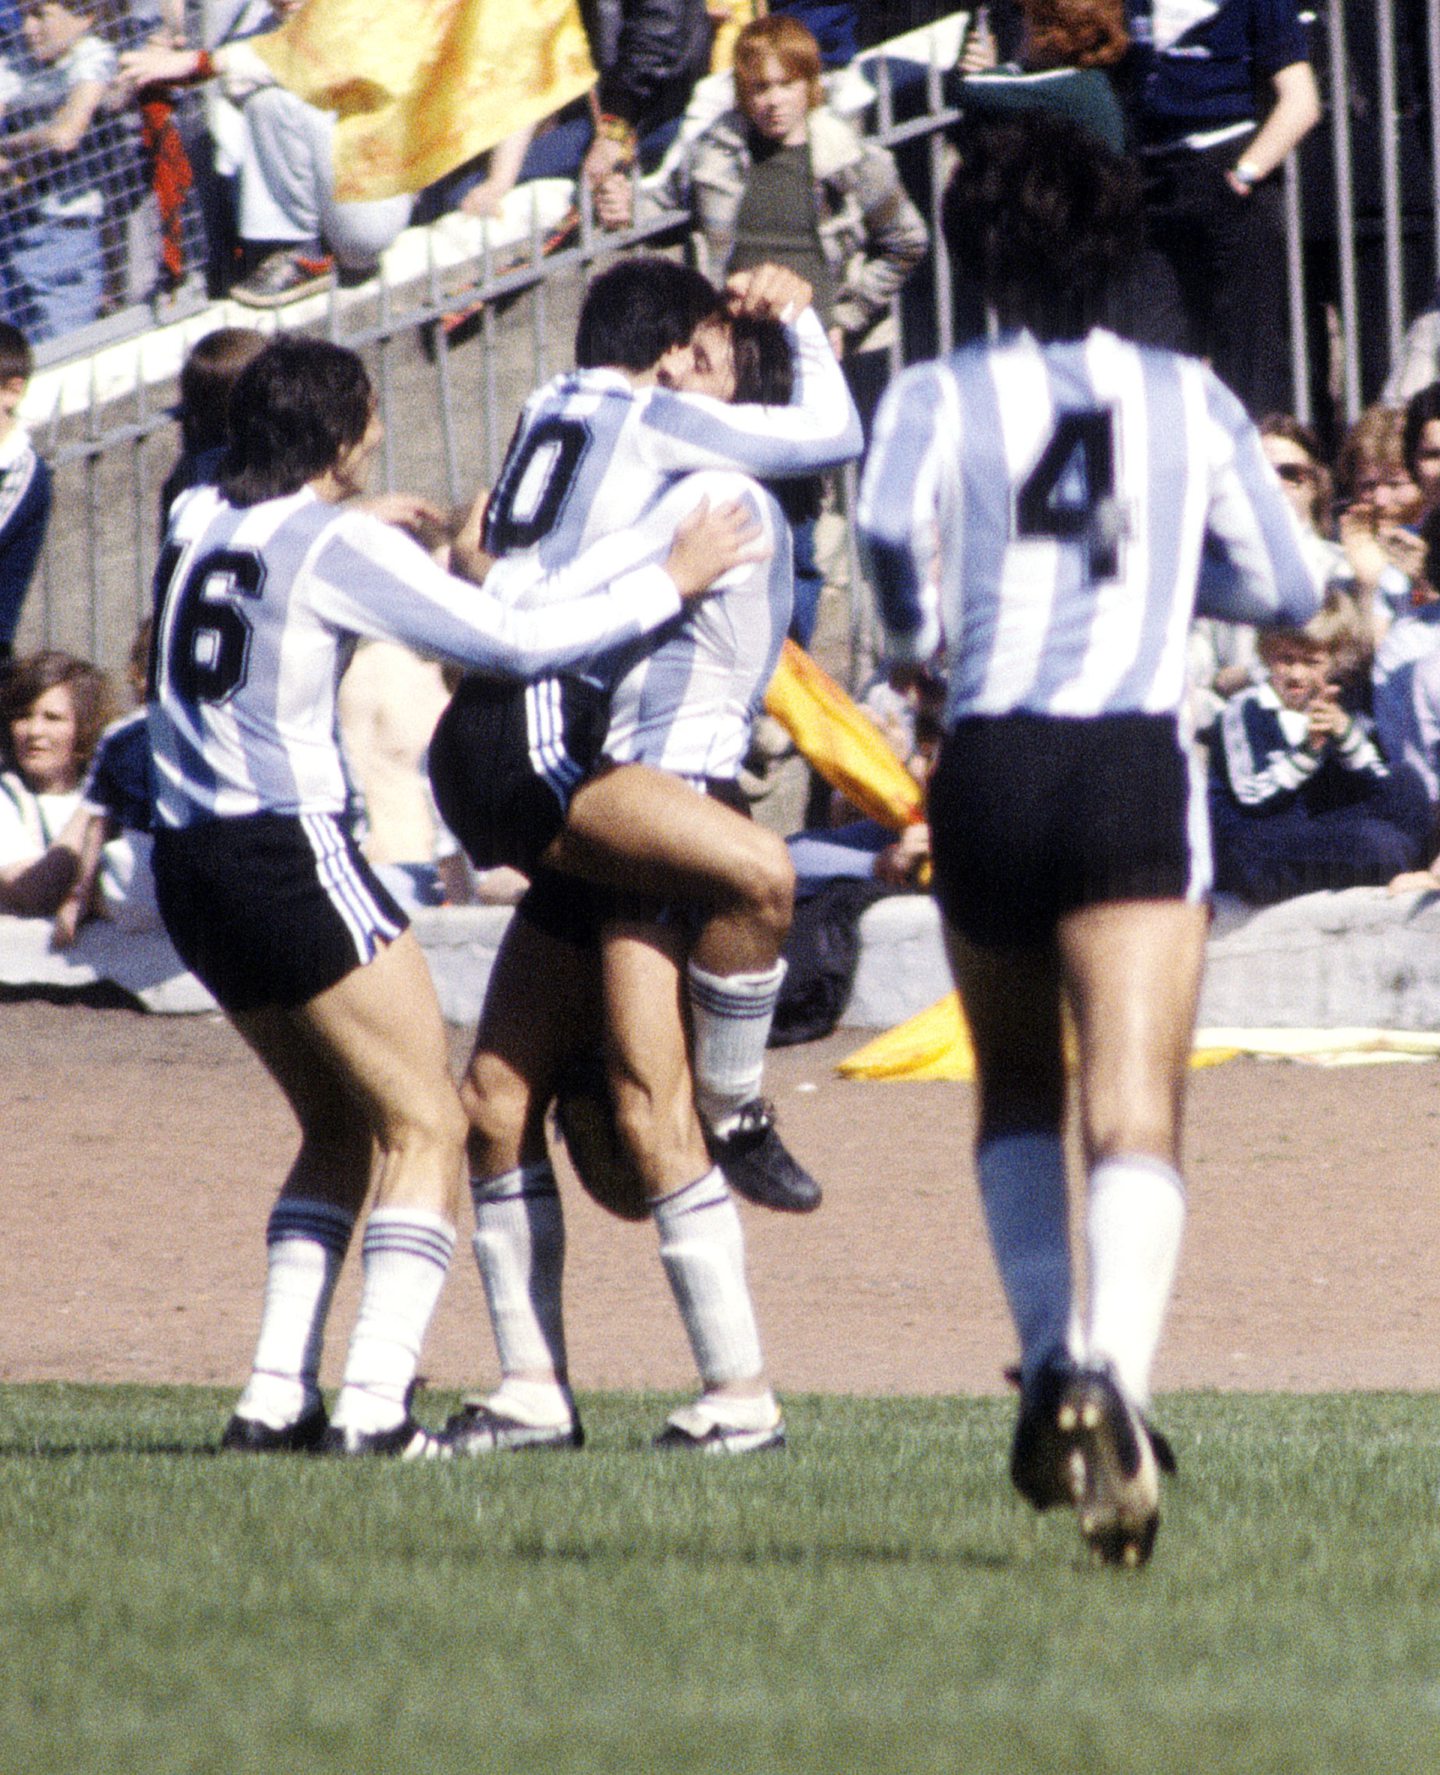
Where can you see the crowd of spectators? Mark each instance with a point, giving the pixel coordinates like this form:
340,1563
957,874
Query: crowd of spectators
1323,749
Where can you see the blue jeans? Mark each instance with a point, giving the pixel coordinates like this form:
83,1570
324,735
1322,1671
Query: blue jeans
51,276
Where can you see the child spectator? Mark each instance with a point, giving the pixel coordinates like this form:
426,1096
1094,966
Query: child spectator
51,202
24,489
112,837
1301,798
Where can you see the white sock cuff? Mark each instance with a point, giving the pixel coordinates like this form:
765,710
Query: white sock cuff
708,1191
760,989
301,1217
1125,1167
413,1232
534,1179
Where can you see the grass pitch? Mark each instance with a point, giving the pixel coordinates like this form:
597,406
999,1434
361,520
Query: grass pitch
872,1599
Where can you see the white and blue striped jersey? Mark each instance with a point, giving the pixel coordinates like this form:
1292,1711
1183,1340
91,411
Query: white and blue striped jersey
1057,514
685,700
258,611
589,488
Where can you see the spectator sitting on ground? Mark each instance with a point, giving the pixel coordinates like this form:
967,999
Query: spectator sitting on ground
112,835
52,710
206,378
24,489
1301,797
1405,680
52,207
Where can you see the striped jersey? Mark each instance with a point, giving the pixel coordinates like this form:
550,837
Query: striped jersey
590,485
1057,514
257,613
685,701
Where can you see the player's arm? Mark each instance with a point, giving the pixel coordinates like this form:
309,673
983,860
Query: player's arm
819,429
371,580
898,524
1255,567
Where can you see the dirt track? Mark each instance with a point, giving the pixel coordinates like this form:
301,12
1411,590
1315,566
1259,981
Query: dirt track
141,1155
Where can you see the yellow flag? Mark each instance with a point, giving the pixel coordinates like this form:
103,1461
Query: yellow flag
422,86
836,735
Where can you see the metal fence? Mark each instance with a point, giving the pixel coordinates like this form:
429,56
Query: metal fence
456,338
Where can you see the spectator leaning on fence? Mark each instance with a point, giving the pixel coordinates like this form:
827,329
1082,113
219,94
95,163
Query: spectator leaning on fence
24,489
288,220
51,202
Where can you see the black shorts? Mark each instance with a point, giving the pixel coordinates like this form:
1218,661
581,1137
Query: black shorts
271,909
1035,816
505,760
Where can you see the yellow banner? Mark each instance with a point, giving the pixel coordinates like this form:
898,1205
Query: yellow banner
841,741
422,86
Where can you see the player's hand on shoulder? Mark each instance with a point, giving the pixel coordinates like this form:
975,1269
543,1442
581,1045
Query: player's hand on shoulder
768,292
422,518
712,540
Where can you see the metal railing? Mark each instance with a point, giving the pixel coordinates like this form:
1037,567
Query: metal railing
457,341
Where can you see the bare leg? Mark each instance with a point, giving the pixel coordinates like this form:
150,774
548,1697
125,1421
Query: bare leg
541,1007
701,1243
646,832
364,1066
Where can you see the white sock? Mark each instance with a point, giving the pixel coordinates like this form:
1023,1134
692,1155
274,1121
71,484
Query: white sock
703,1250
730,1015
1136,1217
306,1242
1022,1189
407,1253
519,1247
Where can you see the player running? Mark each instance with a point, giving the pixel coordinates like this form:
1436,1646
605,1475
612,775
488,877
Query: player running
1053,506
263,586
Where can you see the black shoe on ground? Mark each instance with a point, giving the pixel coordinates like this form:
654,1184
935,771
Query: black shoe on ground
405,1441
478,1429
1043,1460
1119,1461
248,1436
757,1165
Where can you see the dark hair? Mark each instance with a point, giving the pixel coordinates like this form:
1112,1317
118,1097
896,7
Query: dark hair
206,379
1305,437
89,689
765,376
15,356
1043,217
639,309
294,412
764,367
1422,407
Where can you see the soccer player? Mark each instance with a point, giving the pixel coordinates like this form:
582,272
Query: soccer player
594,451
1054,504
263,586
684,706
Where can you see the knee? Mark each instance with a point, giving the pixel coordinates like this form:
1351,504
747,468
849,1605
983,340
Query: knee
770,882
1142,1122
432,1121
496,1103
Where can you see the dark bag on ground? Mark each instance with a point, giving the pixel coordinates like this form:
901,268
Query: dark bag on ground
821,953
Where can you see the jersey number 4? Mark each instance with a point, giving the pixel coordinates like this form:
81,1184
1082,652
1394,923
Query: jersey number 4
1069,495
209,651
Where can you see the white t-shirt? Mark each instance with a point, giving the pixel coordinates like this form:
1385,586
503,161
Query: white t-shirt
30,823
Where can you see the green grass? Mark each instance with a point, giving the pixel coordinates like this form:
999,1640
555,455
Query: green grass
873,1599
